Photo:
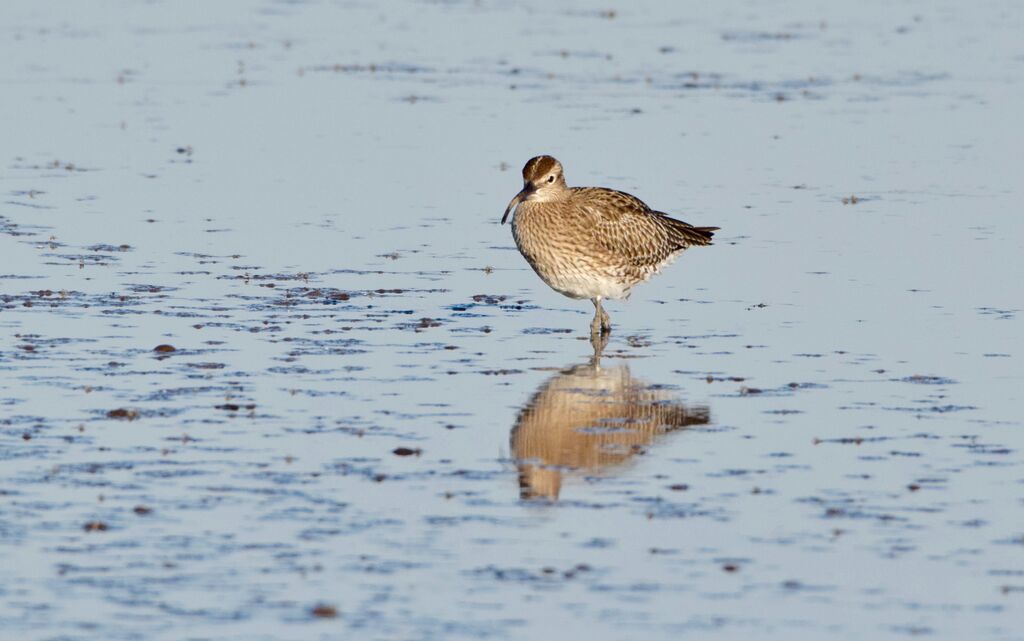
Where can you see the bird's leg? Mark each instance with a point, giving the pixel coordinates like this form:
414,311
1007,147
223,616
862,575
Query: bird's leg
601,324
601,318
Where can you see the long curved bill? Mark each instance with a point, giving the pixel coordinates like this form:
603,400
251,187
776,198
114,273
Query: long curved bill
520,197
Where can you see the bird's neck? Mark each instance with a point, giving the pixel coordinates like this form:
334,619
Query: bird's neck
553,194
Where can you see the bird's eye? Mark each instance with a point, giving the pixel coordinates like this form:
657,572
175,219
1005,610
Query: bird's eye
551,179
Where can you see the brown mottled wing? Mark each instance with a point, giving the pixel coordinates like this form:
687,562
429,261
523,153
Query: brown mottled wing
626,227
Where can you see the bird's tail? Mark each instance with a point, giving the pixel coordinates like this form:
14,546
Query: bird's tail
686,235
705,234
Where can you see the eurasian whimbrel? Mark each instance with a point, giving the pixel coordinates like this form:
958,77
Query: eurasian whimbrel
592,242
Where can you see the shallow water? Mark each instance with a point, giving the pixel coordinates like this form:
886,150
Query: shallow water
374,421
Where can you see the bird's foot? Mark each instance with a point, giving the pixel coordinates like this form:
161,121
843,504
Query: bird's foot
606,322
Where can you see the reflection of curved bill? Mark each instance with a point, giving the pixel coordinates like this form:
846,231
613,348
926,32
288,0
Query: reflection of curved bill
590,418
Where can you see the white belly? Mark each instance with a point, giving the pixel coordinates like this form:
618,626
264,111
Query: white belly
584,284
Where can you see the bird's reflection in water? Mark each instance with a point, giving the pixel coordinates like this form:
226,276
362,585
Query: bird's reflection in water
589,419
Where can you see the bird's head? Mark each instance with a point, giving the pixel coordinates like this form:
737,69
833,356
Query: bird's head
543,181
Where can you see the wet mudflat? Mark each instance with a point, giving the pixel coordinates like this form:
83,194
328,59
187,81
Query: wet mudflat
270,369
